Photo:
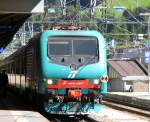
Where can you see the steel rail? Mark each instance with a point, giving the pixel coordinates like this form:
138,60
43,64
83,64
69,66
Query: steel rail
121,106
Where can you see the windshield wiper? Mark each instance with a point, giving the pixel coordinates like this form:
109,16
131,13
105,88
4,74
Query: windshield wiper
85,64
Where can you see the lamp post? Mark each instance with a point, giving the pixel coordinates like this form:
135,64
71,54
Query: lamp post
148,41
148,50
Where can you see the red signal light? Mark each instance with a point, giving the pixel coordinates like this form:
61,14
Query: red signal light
104,79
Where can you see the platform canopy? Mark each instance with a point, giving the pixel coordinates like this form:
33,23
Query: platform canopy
13,14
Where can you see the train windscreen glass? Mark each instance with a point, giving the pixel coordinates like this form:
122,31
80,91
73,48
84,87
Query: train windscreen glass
59,47
72,46
85,47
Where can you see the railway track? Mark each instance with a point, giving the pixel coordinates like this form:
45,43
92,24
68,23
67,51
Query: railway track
117,106
131,104
123,107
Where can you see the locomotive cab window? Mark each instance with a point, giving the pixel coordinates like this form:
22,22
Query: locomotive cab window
59,47
69,46
85,47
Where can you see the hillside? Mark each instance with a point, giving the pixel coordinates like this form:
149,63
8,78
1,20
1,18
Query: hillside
129,5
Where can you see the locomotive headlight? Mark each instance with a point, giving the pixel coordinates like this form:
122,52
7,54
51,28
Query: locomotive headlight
96,81
49,81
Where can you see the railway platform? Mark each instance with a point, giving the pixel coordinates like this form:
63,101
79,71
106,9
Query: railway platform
135,99
15,109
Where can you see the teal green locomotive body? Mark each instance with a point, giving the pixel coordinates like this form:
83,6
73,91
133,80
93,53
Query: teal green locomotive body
81,66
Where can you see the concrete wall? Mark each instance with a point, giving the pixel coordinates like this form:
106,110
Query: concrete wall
140,86
115,85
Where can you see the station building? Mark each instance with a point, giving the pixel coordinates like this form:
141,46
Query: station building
127,75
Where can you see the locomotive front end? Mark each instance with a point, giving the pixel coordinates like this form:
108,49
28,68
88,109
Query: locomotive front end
74,71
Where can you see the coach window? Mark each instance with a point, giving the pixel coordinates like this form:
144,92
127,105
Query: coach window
17,72
23,72
8,72
13,74
15,65
20,71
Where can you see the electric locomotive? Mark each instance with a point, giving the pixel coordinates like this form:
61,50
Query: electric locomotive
65,70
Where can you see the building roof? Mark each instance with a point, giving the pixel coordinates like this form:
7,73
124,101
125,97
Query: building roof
127,68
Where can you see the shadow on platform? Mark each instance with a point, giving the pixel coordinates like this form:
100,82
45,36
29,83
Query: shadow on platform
14,102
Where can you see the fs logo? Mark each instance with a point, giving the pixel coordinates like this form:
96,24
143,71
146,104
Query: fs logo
72,74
